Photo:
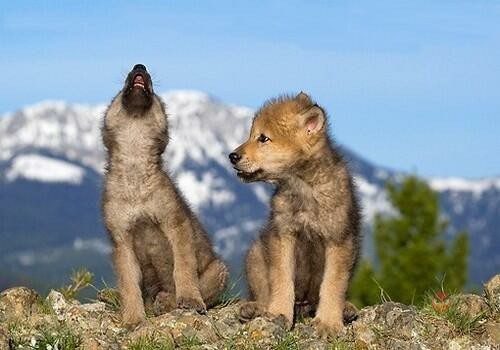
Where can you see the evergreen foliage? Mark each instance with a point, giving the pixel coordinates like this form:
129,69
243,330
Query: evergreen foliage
412,256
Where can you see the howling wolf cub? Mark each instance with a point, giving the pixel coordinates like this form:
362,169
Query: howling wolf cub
307,252
162,256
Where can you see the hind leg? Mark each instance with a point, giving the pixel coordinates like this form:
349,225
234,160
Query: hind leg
213,281
179,231
350,312
156,299
257,274
150,286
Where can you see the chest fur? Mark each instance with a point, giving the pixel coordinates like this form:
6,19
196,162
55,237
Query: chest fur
297,208
313,213
137,140
134,162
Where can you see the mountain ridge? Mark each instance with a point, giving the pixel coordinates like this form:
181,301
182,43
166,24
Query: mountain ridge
55,147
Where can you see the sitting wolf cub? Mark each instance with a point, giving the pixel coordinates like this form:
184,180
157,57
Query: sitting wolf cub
307,252
160,251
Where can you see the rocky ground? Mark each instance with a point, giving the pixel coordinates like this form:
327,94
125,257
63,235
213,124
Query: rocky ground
28,321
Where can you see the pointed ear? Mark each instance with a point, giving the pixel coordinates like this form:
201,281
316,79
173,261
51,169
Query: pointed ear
312,120
302,96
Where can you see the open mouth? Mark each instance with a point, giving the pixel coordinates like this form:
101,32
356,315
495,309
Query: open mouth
139,82
247,175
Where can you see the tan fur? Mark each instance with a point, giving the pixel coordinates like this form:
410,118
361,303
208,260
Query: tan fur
160,249
281,276
307,252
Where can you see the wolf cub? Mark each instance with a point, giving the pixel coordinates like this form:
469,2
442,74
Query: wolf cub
305,256
161,254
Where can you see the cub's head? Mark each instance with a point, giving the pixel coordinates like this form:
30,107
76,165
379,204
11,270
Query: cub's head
286,131
137,93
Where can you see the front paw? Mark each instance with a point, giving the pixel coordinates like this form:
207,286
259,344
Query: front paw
350,312
132,322
164,302
279,319
251,310
192,303
282,316
133,316
327,329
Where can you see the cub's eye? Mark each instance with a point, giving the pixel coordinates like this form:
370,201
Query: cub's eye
263,138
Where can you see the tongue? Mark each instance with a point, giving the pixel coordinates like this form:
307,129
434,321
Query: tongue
139,80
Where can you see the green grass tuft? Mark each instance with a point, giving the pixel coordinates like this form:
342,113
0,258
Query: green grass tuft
80,279
288,342
230,295
448,308
190,342
338,344
109,296
152,342
16,341
43,306
61,339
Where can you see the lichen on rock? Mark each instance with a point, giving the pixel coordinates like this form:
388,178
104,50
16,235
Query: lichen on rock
17,302
465,321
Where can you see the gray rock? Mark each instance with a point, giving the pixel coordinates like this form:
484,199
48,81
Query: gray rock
4,339
58,304
396,319
492,330
492,293
386,326
17,302
93,308
317,344
187,327
262,332
470,304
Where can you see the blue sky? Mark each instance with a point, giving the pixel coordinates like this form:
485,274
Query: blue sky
411,85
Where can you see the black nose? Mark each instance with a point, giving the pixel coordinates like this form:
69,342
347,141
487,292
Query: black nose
140,67
234,157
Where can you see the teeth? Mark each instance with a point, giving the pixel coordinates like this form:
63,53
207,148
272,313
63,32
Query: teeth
241,172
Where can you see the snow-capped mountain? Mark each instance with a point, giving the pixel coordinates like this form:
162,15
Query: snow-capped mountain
51,163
